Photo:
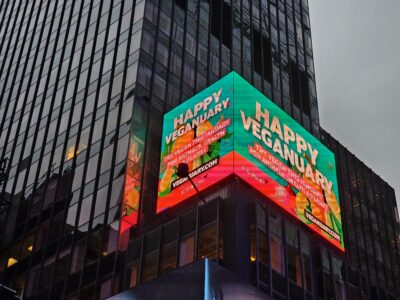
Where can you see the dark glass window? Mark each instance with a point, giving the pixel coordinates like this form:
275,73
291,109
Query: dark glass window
307,272
338,269
257,53
186,250
299,88
133,273
169,247
168,257
227,25
305,97
277,257
262,55
181,3
294,265
225,33
208,241
150,262
295,84
262,236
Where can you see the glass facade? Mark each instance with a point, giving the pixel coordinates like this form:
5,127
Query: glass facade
66,71
80,80
371,220
244,232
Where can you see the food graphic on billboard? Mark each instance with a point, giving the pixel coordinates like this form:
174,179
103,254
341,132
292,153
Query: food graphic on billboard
232,128
133,178
283,161
132,188
199,133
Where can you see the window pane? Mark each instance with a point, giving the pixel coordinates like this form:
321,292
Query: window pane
150,266
208,242
294,265
186,251
168,258
277,260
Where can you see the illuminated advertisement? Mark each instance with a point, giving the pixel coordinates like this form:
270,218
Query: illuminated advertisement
133,180
133,177
199,133
231,127
282,160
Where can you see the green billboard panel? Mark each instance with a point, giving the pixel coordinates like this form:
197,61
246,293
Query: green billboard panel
198,132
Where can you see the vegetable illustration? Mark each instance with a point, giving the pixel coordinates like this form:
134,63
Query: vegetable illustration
193,137
318,212
203,127
166,179
301,202
131,201
183,140
333,204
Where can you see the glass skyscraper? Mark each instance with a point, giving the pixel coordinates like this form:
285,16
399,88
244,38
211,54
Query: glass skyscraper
84,86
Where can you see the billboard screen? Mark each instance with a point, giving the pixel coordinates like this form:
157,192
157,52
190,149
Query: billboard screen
134,169
245,133
200,133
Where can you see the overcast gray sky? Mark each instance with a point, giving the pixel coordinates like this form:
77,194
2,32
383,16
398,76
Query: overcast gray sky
357,64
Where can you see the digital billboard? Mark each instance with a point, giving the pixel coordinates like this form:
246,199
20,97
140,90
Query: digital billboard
232,128
198,132
133,179
134,170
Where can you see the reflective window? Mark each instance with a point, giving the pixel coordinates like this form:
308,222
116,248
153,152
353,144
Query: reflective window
186,250
92,168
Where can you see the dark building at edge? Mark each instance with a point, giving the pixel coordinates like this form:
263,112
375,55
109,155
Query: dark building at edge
79,79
